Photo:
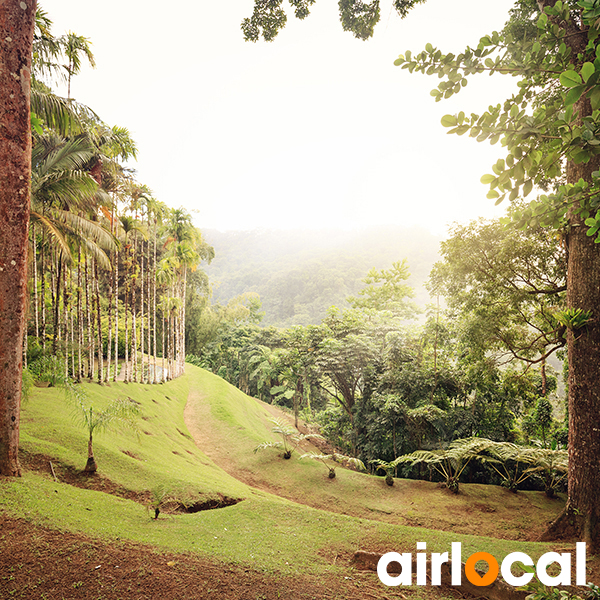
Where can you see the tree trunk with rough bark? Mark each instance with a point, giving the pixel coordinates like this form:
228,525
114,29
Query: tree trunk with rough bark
16,37
582,512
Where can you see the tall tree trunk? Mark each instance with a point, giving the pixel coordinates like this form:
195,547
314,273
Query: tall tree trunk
163,374
43,288
110,314
134,353
66,303
142,339
56,306
35,283
582,512
154,306
99,320
88,312
79,319
127,283
16,38
116,266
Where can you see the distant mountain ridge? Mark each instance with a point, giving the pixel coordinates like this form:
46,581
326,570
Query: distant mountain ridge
299,274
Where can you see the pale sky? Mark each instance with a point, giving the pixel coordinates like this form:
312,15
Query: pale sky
316,129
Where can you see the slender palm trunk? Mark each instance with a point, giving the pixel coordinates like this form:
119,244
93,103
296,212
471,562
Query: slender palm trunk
127,284
163,374
35,284
79,319
154,306
134,352
99,320
56,307
90,338
43,287
142,339
116,315
66,304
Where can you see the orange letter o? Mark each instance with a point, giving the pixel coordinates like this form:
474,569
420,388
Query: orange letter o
473,576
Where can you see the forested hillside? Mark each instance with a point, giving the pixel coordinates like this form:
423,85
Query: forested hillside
300,274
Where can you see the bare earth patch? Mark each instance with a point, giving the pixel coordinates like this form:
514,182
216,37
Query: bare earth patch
38,563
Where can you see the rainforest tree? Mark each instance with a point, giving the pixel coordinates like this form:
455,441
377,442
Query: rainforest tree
17,20
548,129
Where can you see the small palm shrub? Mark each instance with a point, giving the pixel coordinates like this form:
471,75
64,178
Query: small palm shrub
332,460
119,412
290,438
388,468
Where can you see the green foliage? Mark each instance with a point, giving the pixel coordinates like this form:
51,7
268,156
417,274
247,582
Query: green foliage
290,438
386,291
540,126
158,495
49,369
503,285
573,318
119,412
333,459
360,18
449,462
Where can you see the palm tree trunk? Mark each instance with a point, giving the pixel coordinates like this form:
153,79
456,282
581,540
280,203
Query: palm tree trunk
142,339
134,353
99,319
90,338
116,286
127,283
66,304
163,374
154,306
43,287
35,283
79,319
57,281
110,314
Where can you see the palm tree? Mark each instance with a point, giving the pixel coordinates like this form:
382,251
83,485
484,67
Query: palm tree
73,47
118,412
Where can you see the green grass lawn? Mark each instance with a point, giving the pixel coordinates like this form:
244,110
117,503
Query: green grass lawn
265,531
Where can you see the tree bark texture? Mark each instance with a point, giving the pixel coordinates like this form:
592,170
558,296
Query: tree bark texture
582,512
16,37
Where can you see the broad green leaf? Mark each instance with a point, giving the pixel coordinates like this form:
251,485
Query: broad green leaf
587,71
574,94
595,97
492,194
527,187
449,121
570,79
487,179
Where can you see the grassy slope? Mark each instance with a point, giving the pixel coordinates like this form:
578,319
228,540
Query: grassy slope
238,423
264,531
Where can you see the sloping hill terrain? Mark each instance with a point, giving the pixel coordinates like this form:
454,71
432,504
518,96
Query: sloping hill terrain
284,529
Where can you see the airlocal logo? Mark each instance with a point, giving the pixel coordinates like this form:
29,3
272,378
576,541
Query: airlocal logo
438,559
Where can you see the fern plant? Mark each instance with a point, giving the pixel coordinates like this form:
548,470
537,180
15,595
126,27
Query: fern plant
290,438
335,458
449,462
